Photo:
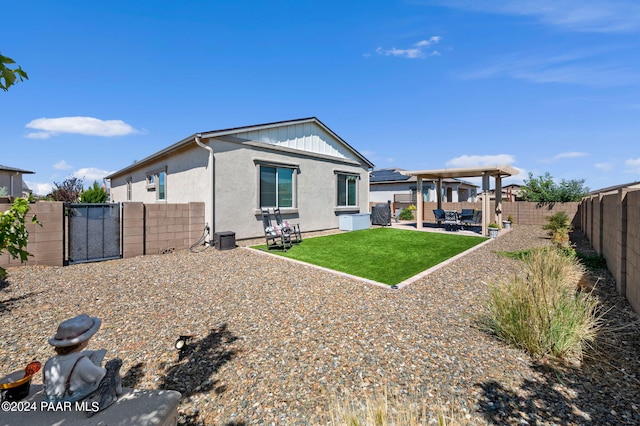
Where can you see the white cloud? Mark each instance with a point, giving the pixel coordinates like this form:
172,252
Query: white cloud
633,165
586,67
89,174
39,188
605,167
418,50
602,16
79,125
62,165
564,155
481,160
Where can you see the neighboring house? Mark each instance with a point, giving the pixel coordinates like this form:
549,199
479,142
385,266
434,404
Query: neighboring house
390,185
11,181
511,192
628,186
301,166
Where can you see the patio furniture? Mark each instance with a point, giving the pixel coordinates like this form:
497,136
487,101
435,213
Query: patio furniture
451,220
475,219
292,229
439,214
274,236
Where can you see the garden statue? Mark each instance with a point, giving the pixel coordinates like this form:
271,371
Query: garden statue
74,373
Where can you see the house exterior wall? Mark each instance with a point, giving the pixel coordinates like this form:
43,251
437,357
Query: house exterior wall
6,181
236,185
382,192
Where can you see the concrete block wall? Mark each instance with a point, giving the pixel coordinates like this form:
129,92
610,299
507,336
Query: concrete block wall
171,227
632,255
46,241
522,212
146,229
611,222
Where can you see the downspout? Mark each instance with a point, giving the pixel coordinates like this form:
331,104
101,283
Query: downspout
211,222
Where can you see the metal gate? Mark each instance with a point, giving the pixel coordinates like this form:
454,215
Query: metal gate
93,232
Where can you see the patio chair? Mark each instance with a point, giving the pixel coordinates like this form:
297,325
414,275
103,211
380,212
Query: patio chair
292,229
274,236
466,216
439,214
451,220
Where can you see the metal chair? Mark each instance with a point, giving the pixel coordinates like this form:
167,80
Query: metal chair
451,220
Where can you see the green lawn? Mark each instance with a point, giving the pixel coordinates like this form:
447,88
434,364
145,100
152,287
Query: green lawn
385,255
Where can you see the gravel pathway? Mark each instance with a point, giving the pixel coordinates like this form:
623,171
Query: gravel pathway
275,342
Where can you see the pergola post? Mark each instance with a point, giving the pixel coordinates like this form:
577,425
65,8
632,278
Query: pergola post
498,208
486,203
419,203
439,192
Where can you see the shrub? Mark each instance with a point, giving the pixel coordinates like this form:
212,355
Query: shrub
558,228
543,312
493,225
406,214
13,234
95,194
388,410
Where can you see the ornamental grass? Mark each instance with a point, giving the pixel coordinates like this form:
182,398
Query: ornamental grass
545,311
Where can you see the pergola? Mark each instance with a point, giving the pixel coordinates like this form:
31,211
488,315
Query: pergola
486,172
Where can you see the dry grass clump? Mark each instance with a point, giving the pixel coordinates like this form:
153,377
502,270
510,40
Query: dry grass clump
544,312
388,410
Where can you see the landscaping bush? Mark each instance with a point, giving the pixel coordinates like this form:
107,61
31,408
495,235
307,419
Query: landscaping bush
558,228
388,410
13,234
543,312
406,214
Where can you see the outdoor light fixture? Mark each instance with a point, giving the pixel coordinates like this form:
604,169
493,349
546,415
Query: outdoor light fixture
183,340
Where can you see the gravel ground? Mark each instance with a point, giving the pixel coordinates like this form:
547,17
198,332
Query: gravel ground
275,342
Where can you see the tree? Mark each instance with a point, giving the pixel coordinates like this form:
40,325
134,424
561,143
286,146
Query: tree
13,233
8,76
544,190
95,194
68,191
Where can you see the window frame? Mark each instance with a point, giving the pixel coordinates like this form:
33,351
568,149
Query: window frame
294,168
347,175
153,181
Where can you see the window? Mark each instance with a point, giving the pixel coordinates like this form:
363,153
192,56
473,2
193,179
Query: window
276,186
158,182
347,190
129,189
162,187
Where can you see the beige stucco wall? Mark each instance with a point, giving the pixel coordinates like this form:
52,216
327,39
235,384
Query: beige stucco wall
5,181
236,185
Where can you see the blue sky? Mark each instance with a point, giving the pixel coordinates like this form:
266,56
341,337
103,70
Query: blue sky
545,86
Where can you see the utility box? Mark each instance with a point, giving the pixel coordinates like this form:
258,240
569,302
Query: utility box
225,240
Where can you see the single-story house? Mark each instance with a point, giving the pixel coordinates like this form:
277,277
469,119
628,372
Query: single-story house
12,183
300,166
391,185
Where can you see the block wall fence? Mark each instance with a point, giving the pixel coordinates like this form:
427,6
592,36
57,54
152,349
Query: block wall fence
522,212
611,222
146,229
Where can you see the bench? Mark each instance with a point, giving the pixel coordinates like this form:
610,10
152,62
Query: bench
133,407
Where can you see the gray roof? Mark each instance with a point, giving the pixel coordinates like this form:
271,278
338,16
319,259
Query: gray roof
13,169
631,185
217,133
394,175
387,175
